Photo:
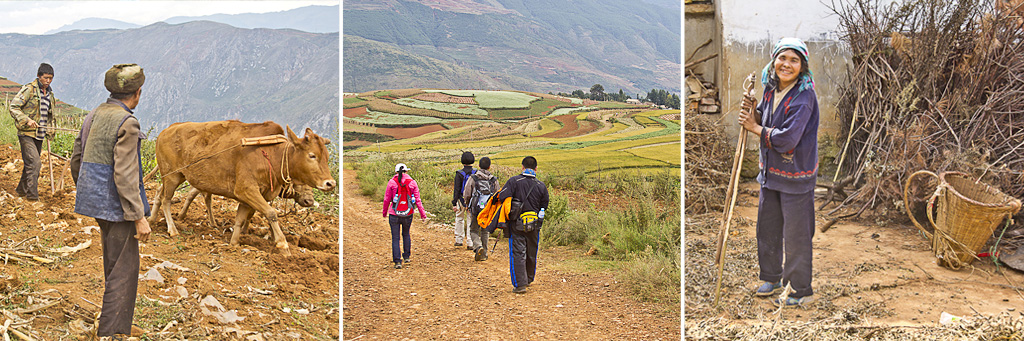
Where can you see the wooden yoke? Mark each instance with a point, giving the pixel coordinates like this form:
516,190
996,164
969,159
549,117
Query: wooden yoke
264,140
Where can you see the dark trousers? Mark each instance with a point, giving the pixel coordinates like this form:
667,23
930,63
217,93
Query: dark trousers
400,224
28,186
121,277
522,257
477,234
785,226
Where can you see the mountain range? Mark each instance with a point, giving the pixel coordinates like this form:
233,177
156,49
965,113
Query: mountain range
533,45
195,71
316,19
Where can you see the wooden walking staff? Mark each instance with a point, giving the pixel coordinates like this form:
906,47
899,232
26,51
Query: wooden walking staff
730,196
49,159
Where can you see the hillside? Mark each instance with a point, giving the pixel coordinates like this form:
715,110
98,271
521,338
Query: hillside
197,71
557,45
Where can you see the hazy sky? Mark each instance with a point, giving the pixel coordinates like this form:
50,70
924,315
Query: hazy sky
37,17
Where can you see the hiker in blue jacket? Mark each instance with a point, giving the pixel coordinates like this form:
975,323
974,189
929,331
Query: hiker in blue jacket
459,205
786,123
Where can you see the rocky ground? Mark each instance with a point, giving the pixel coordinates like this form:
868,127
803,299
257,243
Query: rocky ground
193,286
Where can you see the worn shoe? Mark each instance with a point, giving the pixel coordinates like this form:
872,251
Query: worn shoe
398,265
470,248
458,243
481,254
520,290
406,260
793,302
768,288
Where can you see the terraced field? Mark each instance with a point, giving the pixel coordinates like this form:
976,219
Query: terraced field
565,136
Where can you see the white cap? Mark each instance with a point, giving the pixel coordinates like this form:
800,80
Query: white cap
400,166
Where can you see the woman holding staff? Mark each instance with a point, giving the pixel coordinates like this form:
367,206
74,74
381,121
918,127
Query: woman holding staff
786,122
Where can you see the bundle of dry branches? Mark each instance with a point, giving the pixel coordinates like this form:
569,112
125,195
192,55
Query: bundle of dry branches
936,85
707,155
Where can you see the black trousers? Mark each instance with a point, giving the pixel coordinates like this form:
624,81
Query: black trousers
120,277
28,186
522,257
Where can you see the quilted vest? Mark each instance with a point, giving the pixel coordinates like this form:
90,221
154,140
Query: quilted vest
97,194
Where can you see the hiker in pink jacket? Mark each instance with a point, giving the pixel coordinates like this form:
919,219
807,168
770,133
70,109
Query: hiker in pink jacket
399,198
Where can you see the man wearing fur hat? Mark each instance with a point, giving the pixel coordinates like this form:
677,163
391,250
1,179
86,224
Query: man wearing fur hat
31,109
107,170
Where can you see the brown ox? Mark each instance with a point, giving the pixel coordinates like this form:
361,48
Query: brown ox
210,156
301,194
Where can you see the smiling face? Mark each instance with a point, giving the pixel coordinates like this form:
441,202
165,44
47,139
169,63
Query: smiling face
788,66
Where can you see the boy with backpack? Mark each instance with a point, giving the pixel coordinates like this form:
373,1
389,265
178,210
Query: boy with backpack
479,188
458,204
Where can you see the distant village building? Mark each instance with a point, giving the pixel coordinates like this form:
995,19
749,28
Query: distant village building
632,101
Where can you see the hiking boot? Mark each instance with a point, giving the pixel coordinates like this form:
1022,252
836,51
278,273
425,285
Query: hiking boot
398,265
481,254
768,288
799,302
520,290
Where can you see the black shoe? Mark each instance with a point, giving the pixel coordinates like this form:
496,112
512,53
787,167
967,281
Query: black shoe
481,254
406,260
520,290
458,244
398,265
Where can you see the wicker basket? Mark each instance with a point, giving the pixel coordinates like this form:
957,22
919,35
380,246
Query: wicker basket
967,214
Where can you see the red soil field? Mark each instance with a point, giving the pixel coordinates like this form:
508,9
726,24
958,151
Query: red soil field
571,127
444,98
354,112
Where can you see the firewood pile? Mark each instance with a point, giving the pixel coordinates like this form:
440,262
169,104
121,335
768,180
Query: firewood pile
702,96
935,85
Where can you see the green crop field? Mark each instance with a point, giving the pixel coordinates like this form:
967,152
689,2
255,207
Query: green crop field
353,101
494,99
547,126
541,107
386,119
455,108
566,111
668,152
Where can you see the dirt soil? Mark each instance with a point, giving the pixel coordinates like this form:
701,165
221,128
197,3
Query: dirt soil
571,127
864,274
279,297
444,294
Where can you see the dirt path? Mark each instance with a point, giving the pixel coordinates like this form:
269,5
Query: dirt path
444,294
868,274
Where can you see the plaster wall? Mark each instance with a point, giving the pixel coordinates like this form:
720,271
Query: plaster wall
750,30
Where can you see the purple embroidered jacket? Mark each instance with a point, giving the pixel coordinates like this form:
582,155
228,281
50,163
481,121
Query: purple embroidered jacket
789,152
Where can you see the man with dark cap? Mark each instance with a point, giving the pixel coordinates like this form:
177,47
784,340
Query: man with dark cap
32,111
531,197
458,204
107,169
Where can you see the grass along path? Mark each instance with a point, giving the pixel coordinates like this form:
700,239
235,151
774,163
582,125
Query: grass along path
444,294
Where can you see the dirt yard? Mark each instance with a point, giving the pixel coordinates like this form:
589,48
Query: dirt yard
444,294
867,278
274,297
